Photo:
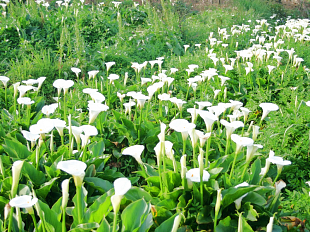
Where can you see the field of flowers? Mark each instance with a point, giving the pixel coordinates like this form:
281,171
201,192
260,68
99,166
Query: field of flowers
120,116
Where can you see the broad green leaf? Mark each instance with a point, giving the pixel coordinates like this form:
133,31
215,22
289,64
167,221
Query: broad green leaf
15,149
203,216
85,227
99,209
255,171
166,225
249,212
232,194
134,215
226,225
45,188
147,223
97,148
245,226
136,193
255,198
57,208
37,177
99,184
83,206
104,226
50,217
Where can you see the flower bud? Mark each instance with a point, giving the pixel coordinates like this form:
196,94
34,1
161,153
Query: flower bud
218,201
116,202
183,166
16,169
65,193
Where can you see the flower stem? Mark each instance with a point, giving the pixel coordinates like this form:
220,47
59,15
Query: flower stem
114,222
207,151
233,166
79,201
201,189
184,147
35,222
63,223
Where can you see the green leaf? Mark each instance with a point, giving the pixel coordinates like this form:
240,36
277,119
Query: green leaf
45,188
166,225
225,225
16,149
245,226
136,193
85,227
249,212
49,216
98,183
104,226
147,223
134,215
203,216
97,148
255,198
99,209
255,171
57,208
37,177
232,194
83,205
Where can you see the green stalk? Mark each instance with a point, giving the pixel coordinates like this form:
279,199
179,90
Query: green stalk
79,200
207,151
227,146
114,222
194,156
63,223
65,113
201,189
159,172
187,93
5,97
233,165
278,174
139,127
10,221
35,222
245,167
184,146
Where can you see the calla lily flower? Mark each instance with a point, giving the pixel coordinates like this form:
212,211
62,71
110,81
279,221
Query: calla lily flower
92,74
134,151
270,225
194,175
208,118
268,107
109,65
24,202
75,168
59,125
238,201
279,162
4,80
76,71
16,169
65,193
183,126
95,109
24,101
43,126
121,187
49,109
231,126
23,89
241,142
